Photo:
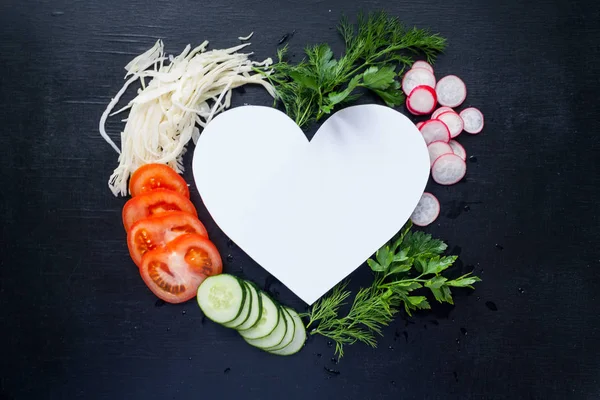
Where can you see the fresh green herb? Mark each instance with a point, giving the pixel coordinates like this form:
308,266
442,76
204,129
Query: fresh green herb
375,49
411,261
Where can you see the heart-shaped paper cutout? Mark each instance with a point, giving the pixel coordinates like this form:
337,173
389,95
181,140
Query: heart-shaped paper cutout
311,212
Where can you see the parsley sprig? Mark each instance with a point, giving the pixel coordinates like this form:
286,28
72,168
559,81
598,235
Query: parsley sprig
411,261
375,49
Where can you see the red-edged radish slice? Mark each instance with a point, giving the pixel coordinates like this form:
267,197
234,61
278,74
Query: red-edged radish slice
453,121
427,210
473,119
434,130
440,111
458,149
424,65
448,169
451,91
417,77
419,124
437,149
422,100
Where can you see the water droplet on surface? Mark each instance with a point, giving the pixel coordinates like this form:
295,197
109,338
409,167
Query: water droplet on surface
183,312
478,298
57,13
499,247
457,341
227,370
405,336
159,303
463,331
491,305
329,344
393,382
334,360
473,159
521,290
190,358
434,321
168,329
467,208
203,319
331,371
319,355
391,347
455,375
229,258
229,241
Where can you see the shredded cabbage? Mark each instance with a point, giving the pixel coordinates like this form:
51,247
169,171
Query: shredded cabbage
187,91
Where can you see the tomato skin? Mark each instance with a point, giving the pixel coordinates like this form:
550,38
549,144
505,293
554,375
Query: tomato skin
156,231
157,176
174,272
155,202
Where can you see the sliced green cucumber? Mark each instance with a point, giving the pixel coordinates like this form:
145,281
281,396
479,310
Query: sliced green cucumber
247,306
299,337
275,337
255,308
267,322
221,298
289,333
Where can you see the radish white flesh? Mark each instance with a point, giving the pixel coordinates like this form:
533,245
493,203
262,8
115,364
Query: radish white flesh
451,91
422,100
434,130
440,111
427,210
437,149
448,169
458,149
417,77
453,121
424,65
419,124
473,119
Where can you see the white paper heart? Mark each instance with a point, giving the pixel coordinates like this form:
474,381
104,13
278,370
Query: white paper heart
310,212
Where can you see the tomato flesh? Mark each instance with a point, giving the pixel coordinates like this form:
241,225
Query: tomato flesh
174,272
152,203
151,233
151,177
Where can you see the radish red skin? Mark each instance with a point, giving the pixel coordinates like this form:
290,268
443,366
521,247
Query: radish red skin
419,90
423,131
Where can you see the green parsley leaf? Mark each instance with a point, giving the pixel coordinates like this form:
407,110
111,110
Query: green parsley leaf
379,78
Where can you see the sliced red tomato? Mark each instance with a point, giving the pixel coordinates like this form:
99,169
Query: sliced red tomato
157,176
174,272
155,202
154,232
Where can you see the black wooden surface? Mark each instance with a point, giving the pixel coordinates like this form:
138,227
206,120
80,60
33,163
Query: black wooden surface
78,322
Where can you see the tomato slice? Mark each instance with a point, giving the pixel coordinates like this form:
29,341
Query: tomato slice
154,232
155,202
157,176
174,272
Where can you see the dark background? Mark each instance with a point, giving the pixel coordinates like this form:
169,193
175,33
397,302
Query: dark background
78,322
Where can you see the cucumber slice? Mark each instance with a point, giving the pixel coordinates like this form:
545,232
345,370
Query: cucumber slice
267,322
247,306
221,298
255,308
275,337
289,333
299,337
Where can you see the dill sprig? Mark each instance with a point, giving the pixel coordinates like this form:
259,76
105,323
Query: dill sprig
411,261
375,49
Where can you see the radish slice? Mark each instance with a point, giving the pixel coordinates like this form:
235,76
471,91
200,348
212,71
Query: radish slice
453,121
417,77
440,111
473,120
458,149
437,149
451,91
424,65
434,130
422,100
448,169
427,210
419,124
